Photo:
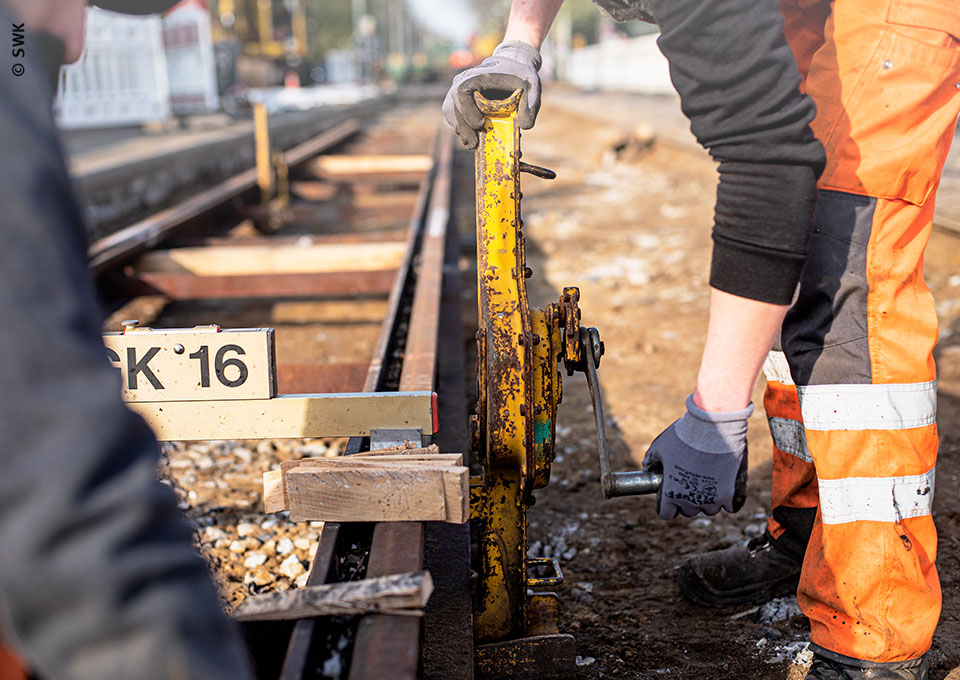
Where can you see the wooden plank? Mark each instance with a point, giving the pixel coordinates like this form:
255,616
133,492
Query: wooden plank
289,416
296,258
359,164
275,498
375,492
405,594
274,491
187,286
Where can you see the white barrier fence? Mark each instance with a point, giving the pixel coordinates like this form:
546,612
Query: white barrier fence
633,65
139,69
191,70
121,78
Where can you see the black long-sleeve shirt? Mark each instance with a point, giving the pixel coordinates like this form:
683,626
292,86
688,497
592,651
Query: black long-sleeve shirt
98,578
739,86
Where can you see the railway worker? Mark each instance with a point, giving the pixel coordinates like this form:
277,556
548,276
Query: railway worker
98,577
854,456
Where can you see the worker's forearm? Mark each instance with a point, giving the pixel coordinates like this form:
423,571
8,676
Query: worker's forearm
739,335
530,20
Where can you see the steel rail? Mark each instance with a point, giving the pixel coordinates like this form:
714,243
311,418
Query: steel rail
147,233
383,648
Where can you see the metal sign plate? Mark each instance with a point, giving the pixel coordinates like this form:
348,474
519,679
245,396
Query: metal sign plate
194,364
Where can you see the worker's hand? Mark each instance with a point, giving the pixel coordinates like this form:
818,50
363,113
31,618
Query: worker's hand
703,457
512,67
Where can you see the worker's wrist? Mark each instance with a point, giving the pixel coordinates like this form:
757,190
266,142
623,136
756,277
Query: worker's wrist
719,399
519,50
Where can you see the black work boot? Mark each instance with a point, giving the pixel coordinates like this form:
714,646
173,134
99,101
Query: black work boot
742,575
829,665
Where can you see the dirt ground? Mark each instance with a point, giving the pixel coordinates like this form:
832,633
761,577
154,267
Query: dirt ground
633,233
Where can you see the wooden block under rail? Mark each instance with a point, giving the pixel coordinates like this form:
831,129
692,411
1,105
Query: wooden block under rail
371,489
292,416
275,492
286,258
397,594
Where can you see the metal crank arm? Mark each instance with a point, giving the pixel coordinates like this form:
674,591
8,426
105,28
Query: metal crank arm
629,483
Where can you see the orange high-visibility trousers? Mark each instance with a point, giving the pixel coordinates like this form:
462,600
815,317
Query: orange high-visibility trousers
851,392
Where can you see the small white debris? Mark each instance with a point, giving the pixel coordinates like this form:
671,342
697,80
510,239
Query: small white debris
954,280
258,576
585,586
213,534
269,523
779,609
291,567
302,543
332,667
245,529
238,547
301,580
284,546
254,559
585,660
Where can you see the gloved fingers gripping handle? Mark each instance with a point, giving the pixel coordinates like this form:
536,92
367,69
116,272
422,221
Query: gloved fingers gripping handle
468,135
512,67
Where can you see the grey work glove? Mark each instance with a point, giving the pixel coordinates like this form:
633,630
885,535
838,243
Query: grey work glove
513,66
703,457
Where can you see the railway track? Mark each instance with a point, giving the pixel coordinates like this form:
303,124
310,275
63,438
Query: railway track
308,225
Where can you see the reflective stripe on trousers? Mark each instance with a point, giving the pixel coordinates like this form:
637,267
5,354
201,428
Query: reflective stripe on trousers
854,390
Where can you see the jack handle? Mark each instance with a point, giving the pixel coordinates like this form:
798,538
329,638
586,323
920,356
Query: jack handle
630,483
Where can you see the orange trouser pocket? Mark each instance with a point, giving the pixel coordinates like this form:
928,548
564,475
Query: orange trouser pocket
885,84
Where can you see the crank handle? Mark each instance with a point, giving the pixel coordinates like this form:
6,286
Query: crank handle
630,483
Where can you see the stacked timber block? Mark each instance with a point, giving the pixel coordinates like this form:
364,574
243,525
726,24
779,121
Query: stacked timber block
389,485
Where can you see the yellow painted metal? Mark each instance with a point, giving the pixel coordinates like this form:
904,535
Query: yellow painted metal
261,133
265,24
505,408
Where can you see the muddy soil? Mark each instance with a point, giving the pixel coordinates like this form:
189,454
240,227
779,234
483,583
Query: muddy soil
632,230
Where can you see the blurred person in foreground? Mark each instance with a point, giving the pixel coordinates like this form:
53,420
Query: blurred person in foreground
827,250
98,577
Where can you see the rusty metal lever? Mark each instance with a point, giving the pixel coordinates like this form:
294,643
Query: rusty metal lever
537,171
629,483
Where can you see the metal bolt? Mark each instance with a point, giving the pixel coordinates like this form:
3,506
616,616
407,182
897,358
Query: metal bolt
536,339
523,409
527,272
887,64
537,410
178,349
520,338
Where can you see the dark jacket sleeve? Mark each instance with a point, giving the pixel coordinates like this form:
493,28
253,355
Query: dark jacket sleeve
98,577
739,86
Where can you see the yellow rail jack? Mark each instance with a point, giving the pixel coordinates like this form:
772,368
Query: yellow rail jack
519,387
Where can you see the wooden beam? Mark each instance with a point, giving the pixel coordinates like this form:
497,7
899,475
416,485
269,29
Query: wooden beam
289,416
396,594
371,164
247,260
378,491
187,286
